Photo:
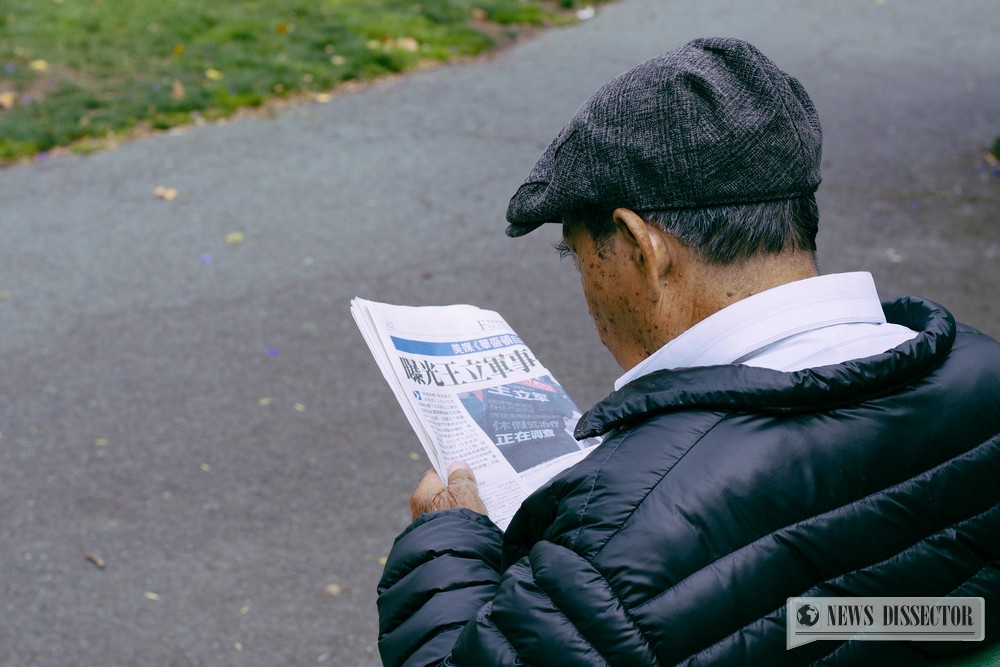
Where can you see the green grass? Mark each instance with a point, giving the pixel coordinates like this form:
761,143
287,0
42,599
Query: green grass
75,72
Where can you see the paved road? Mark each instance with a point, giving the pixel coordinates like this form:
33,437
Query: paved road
204,418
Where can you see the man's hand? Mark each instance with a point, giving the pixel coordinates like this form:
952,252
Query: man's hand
431,494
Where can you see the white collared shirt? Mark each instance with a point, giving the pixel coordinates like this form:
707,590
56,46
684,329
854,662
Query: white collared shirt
808,323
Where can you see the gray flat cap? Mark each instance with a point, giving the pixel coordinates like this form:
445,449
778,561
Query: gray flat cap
714,122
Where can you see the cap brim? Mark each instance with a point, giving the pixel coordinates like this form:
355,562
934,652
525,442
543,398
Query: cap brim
521,229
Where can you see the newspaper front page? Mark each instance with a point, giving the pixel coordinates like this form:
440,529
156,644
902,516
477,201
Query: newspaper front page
472,390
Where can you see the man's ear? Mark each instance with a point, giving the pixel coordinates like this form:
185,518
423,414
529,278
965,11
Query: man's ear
647,246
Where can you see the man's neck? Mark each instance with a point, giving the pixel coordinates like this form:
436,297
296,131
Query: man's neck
715,287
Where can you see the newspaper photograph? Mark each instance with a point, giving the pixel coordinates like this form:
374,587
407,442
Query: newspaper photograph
473,391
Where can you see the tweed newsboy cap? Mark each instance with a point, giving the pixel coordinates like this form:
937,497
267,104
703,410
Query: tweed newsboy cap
714,122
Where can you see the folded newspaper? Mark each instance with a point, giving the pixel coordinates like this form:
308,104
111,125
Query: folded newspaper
473,391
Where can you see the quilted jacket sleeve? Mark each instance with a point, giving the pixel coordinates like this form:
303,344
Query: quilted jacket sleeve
444,601
441,571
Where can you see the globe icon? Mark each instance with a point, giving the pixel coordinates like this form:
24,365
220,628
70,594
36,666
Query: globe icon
807,615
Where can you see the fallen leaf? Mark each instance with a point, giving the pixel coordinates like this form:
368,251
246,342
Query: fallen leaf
244,610
264,402
299,407
150,596
333,590
205,467
95,559
585,14
479,15
407,44
337,60
38,65
414,456
235,238
178,49
238,646
323,98
177,91
165,193
101,442
7,100
213,74
382,560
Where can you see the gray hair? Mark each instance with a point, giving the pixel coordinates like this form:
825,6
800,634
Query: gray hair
725,234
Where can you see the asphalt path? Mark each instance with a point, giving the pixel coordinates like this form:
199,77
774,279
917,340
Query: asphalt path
199,461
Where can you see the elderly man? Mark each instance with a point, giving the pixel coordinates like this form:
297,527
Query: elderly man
776,433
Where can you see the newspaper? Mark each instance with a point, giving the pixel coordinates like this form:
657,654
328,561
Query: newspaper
473,391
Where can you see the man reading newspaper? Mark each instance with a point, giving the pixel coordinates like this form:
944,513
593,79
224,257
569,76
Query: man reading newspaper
776,433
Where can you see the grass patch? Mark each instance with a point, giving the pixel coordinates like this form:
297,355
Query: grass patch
74,72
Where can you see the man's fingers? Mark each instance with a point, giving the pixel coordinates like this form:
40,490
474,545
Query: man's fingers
462,491
463,488
460,471
430,479
429,486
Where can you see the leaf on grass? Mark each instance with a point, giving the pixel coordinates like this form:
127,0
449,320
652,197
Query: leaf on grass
213,74
38,65
7,100
177,91
407,44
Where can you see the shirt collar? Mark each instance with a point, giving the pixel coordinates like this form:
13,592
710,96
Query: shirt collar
752,324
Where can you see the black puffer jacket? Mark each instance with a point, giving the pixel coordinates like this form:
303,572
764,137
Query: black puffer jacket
721,492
